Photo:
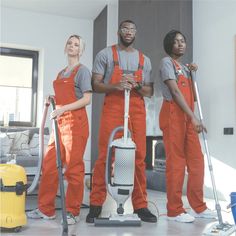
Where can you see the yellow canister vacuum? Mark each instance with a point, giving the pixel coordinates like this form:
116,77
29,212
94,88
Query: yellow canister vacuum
12,196
13,183
13,187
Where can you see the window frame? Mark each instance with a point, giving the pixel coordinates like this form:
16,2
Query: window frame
34,55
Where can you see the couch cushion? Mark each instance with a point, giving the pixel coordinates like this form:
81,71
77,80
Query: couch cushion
34,144
32,130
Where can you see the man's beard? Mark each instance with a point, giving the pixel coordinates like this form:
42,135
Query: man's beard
124,43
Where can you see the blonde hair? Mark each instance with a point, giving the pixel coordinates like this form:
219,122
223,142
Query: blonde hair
81,43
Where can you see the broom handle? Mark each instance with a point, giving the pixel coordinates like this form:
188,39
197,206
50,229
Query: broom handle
126,115
218,208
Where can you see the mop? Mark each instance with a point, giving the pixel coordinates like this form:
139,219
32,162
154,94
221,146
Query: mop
220,228
120,186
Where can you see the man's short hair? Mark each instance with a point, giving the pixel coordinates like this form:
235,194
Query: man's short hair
126,21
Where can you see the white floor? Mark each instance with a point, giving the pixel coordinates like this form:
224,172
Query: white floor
157,202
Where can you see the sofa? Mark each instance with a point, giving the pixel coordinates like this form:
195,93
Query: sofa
23,143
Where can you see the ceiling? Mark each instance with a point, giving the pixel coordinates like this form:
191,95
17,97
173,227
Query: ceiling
86,9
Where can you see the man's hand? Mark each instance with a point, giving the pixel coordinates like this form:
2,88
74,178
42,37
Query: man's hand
126,82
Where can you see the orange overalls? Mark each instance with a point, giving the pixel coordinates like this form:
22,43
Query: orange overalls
73,135
111,117
182,148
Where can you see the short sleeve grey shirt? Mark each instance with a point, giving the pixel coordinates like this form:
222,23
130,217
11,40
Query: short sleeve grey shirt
82,81
167,72
128,62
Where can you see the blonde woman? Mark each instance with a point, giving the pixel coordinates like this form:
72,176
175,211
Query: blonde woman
72,89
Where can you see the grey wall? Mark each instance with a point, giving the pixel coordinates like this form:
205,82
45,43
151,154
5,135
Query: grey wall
99,42
154,19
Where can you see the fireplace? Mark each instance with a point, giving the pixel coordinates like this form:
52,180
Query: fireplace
155,153
155,163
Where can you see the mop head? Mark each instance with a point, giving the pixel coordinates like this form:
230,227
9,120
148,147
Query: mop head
217,229
119,220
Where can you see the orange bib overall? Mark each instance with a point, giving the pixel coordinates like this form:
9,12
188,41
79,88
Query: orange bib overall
111,117
73,135
183,149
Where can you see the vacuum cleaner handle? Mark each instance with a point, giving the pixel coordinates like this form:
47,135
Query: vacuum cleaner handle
126,113
59,167
218,208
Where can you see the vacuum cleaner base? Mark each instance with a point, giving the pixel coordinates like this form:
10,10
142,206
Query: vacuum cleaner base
118,220
217,229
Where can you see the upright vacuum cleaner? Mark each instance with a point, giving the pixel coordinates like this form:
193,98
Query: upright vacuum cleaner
220,228
121,185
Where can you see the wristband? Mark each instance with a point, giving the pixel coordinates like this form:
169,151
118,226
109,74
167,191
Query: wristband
138,87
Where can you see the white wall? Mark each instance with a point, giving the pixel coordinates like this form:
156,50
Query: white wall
112,22
48,34
214,50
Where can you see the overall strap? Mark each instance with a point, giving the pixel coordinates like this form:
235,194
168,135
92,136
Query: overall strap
74,71
139,72
177,68
115,56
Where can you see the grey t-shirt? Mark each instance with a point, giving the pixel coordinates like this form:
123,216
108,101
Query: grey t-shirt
82,80
128,62
166,72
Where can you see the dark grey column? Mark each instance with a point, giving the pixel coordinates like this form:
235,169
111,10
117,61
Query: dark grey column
99,42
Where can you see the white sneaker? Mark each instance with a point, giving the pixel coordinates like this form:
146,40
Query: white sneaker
207,214
37,214
71,219
183,218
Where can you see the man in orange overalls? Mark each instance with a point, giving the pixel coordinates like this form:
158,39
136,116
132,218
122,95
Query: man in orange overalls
180,133
72,93
115,69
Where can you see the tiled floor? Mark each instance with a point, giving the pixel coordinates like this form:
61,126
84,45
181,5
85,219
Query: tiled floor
157,202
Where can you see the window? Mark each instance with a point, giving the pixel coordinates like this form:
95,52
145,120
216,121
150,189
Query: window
18,86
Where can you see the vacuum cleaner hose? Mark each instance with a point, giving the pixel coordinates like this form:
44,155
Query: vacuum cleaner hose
35,181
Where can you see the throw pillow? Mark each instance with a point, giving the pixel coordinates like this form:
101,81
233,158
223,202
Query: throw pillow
20,141
5,144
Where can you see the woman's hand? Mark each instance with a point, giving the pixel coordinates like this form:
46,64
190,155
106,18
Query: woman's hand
56,113
192,67
198,126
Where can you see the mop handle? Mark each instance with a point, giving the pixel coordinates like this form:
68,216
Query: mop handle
126,114
193,75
